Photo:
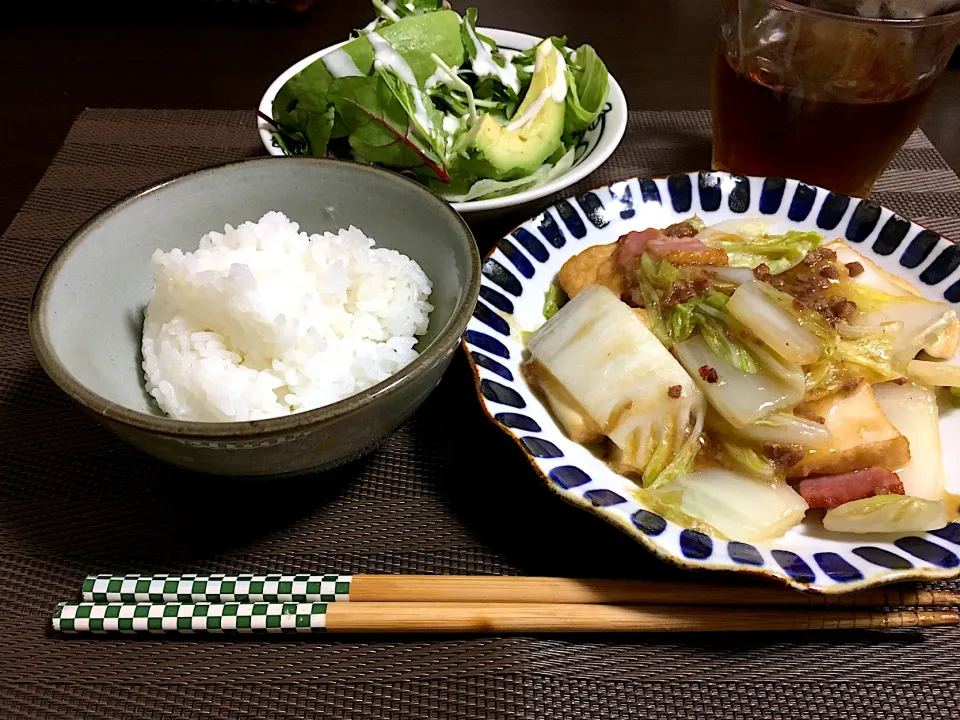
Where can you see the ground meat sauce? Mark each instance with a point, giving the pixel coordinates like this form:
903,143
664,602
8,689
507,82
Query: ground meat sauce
702,281
675,391
632,296
709,374
854,268
680,230
804,413
784,456
679,293
811,284
851,384
839,308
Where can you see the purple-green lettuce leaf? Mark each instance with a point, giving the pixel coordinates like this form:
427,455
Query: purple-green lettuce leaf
379,128
422,113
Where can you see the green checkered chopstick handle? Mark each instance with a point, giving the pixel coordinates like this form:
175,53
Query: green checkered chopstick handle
190,617
216,588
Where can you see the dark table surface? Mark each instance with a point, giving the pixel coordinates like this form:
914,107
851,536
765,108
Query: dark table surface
223,55
55,62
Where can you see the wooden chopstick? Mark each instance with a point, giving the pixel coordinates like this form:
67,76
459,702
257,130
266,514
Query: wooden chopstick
540,618
483,589
513,589
470,618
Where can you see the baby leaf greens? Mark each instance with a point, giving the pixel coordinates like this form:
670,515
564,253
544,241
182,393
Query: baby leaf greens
423,91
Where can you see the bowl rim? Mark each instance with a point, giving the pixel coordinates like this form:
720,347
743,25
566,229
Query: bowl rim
600,154
447,339
901,23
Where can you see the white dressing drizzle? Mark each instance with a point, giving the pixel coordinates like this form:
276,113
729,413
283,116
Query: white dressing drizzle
391,60
485,66
439,77
340,64
556,92
388,58
451,126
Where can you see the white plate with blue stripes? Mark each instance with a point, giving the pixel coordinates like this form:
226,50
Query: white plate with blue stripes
520,269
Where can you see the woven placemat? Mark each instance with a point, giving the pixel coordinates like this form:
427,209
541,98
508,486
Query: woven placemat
447,493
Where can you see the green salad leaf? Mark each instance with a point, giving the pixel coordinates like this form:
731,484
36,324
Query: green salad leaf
422,114
587,86
393,11
302,112
486,188
413,105
406,8
474,42
380,128
496,97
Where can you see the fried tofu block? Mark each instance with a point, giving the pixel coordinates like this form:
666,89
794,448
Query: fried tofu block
945,346
594,266
863,437
873,275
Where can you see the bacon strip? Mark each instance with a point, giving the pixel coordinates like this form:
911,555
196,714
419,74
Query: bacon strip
633,245
829,491
677,250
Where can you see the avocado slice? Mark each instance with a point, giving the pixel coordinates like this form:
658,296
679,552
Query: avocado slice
514,149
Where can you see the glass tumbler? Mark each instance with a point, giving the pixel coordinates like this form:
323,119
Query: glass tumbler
818,92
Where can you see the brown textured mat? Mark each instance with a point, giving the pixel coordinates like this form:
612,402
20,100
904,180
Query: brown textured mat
447,493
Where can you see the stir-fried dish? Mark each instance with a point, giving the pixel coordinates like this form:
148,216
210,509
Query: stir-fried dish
421,90
743,377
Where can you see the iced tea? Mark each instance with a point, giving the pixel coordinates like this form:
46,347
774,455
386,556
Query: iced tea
821,97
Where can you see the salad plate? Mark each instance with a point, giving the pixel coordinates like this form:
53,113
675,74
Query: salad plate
522,270
597,143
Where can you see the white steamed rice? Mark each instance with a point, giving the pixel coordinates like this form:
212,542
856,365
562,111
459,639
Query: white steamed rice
264,320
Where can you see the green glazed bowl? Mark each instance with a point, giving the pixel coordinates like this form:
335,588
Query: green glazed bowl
87,312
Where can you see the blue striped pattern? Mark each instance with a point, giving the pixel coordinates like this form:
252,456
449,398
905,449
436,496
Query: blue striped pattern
772,195
802,203
892,234
832,210
623,194
739,198
649,523
681,192
531,244
497,299
488,317
863,222
492,365
919,249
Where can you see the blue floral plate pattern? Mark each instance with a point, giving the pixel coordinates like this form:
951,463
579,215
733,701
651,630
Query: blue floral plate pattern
520,269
